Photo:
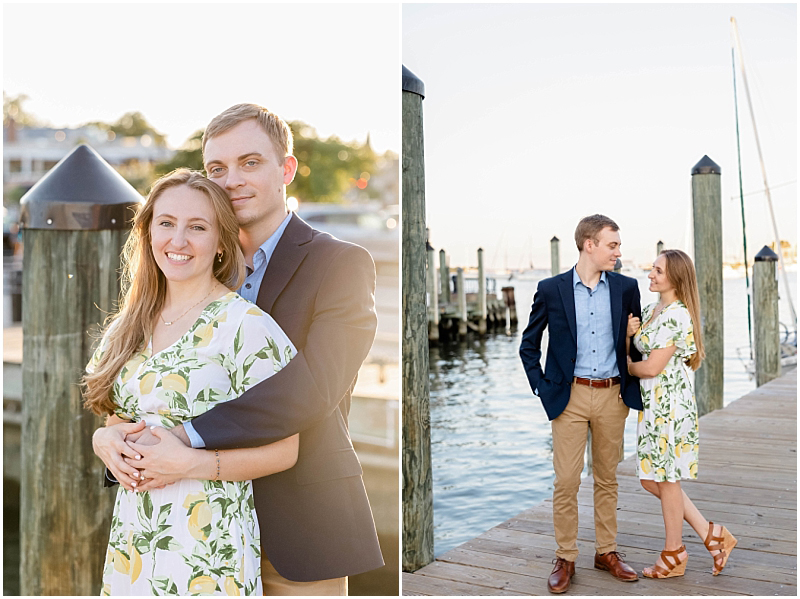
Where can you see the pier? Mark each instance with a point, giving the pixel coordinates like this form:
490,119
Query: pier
458,302
747,481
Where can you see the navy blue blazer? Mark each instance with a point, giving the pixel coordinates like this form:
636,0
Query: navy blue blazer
554,309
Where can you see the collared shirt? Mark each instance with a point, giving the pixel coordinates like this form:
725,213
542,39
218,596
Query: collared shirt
596,357
261,258
248,291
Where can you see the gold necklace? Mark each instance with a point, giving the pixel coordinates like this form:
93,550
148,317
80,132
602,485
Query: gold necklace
171,322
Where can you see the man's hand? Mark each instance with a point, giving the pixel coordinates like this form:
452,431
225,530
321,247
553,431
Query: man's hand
633,325
162,463
143,437
109,445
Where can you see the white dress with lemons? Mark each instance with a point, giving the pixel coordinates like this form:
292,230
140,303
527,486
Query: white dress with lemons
668,429
194,536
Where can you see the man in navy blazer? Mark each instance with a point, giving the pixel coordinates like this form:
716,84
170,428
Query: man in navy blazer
315,519
585,385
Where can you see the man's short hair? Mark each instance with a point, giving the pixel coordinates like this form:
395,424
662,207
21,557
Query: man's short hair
274,126
590,227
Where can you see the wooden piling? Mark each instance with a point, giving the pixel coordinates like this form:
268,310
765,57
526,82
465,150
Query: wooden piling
511,304
444,275
462,303
417,474
659,247
555,261
70,284
707,214
433,296
481,294
765,316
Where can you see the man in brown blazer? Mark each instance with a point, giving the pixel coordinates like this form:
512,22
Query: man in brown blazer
315,519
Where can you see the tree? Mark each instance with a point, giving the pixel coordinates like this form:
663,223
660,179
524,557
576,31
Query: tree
132,124
190,156
13,110
328,168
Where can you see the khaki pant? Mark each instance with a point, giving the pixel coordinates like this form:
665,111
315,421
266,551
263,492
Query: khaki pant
276,585
604,411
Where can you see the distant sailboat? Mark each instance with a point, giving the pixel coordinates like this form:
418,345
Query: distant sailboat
789,332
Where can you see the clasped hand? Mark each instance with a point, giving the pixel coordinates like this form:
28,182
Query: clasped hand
164,458
633,324
141,458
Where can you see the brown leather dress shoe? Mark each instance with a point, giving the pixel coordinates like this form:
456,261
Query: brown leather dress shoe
561,576
612,561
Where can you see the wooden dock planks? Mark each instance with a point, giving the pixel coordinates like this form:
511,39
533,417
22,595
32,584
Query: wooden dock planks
748,481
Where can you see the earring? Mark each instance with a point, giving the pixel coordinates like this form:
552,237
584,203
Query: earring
219,257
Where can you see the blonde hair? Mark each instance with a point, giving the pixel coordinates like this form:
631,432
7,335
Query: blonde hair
680,273
590,226
274,126
144,286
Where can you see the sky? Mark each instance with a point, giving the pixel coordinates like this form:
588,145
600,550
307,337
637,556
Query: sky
536,115
335,67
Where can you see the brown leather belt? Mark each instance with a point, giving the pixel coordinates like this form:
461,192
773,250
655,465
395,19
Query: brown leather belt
603,383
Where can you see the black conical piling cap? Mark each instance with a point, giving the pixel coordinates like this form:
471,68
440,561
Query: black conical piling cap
412,83
80,193
766,255
554,239
706,166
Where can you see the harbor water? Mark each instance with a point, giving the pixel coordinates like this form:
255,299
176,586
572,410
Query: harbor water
491,444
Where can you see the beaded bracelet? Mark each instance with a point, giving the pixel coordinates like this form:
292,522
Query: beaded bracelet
216,453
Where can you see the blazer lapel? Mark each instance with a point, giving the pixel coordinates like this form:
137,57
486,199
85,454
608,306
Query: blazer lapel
287,257
568,297
615,292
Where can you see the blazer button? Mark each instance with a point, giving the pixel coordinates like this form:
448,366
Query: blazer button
573,360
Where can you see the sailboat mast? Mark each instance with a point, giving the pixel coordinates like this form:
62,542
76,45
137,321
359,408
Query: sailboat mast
741,201
764,173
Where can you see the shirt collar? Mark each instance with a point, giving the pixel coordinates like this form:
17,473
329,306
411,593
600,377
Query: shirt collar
266,249
576,280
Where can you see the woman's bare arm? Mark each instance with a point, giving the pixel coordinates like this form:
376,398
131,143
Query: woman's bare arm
171,460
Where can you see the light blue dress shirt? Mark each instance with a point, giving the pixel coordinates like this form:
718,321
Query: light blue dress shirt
249,291
596,357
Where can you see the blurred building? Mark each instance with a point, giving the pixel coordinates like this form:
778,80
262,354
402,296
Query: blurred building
29,152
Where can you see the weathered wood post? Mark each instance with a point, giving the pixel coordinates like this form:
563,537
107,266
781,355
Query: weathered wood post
555,261
433,296
462,303
765,317
707,214
75,220
417,475
618,265
444,275
481,294
511,305
659,247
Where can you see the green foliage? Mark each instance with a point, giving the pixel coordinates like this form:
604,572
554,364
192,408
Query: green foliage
132,124
189,156
327,168
12,108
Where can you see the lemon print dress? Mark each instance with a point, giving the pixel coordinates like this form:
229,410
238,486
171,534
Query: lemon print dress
667,430
194,537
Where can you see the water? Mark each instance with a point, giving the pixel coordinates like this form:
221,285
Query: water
490,438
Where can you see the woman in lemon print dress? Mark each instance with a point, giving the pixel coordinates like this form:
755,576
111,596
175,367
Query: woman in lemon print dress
672,348
181,342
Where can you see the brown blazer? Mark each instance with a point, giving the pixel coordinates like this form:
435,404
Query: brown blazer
315,518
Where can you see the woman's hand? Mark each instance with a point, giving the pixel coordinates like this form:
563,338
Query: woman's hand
633,325
165,461
109,445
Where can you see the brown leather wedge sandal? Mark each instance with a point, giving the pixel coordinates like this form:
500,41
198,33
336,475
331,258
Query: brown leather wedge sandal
675,567
724,544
